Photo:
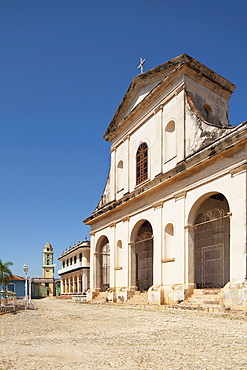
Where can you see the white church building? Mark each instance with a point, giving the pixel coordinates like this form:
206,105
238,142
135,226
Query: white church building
172,216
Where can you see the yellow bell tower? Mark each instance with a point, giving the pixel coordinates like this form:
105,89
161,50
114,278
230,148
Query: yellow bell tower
48,266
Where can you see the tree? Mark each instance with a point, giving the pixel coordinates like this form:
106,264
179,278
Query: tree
5,273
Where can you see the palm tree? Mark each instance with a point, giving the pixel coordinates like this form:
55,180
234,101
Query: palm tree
5,273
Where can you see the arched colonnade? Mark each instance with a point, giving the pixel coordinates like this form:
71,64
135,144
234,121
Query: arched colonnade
76,284
208,263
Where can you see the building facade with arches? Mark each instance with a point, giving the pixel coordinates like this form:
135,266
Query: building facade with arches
74,272
172,216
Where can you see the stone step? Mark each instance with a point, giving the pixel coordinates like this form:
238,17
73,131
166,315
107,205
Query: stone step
212,308
207,291
139,298
101,297
205,300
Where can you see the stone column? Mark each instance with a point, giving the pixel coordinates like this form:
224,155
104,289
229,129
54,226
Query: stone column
84,281
189,255
132,266
238,223
66,286
113,171
125,251
112,242
158,243
69,285
61,284
92,262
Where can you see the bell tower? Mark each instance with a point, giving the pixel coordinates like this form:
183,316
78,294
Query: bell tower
48,266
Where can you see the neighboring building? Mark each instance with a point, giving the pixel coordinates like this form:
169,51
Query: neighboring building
58,287
47,281
17,285
172,216
75,269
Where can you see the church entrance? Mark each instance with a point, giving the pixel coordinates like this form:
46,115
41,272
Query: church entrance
212,243
144,257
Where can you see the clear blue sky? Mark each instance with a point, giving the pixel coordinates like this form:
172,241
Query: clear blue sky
64,68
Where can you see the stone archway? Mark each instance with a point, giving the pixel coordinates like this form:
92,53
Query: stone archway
211,229
103,264
142,256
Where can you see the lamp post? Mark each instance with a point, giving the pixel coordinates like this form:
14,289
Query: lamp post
30,291
25,269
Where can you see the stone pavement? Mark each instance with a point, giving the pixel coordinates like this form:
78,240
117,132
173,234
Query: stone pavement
66,335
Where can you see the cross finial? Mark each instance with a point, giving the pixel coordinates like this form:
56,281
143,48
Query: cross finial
142,61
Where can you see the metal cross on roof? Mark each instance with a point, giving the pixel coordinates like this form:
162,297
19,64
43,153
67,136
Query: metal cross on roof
142,61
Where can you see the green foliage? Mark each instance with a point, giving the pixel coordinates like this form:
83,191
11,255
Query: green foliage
5,273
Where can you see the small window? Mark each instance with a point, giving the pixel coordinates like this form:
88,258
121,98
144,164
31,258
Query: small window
74,259
120,167
170,141
119,253
80,257
208,111
142,163
169,241
120,164
11,287
170,127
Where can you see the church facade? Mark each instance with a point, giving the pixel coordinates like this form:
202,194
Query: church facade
172,216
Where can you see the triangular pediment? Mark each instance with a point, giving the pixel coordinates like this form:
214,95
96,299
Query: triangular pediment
140,87
142,92
146,83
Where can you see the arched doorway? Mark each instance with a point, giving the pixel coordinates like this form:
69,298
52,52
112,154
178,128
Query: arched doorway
143,252
212,243
103,264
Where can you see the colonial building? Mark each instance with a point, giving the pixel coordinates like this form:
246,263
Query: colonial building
17,285
45,286
172,217
74,273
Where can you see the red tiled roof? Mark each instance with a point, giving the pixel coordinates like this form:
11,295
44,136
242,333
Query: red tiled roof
15,277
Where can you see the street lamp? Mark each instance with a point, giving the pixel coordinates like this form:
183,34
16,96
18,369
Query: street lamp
25,269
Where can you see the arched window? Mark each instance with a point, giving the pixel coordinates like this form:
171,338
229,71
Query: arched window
141,163
170,141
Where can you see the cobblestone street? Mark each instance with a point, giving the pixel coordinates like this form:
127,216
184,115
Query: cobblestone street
66,335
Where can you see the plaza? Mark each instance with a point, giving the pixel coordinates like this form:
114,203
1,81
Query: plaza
62,334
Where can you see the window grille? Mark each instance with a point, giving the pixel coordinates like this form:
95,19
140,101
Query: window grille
142,163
